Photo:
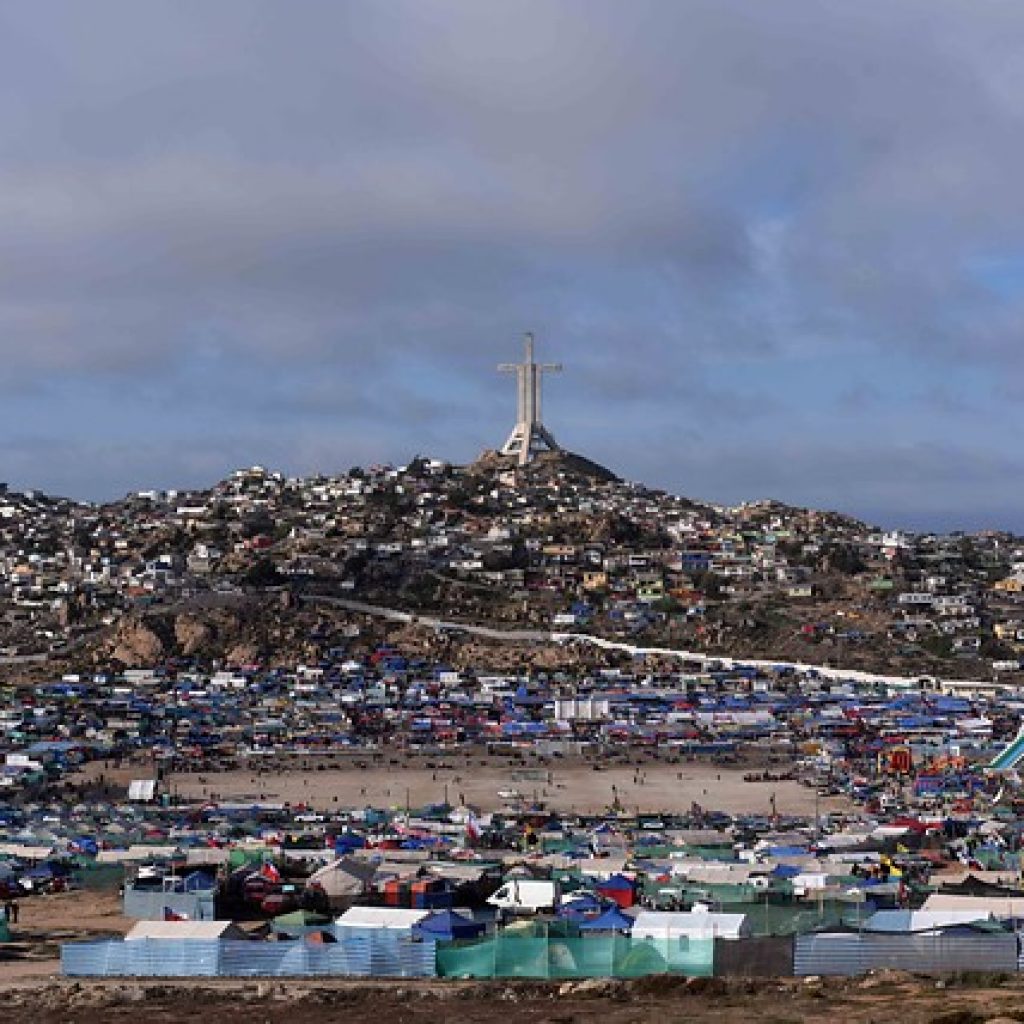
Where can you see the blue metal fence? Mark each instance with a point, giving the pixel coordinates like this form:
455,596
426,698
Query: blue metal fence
381,957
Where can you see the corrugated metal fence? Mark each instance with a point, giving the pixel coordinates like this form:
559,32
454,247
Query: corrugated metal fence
849,954
383,957
389,956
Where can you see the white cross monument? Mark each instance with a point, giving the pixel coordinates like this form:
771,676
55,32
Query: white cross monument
529,435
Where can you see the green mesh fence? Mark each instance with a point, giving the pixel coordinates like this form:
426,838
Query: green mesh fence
605,956
793,918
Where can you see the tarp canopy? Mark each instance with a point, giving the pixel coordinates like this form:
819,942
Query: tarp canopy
447,926
909,921
345,877
196,930
581,906
199,881
346,842
693,924
394,918
612,920
616,883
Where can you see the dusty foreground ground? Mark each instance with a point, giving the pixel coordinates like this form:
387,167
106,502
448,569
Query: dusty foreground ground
660,1000
651,787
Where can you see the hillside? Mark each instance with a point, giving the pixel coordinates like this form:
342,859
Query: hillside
229,574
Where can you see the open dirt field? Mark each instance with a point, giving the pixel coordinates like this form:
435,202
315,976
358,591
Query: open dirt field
79,912
573,788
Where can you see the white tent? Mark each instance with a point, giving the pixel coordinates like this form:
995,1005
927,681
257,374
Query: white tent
136,852
25,852
194,930
904,921
142,790
389,918
655,924
1002,908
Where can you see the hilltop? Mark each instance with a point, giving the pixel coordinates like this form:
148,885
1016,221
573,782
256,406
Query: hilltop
556,465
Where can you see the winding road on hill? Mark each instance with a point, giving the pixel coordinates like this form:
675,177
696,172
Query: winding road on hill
706,661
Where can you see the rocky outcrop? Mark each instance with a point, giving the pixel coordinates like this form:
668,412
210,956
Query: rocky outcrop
191,634
136,645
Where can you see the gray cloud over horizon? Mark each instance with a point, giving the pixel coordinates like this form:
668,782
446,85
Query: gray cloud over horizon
778,246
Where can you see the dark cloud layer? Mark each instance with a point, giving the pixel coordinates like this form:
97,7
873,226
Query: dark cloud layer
777,245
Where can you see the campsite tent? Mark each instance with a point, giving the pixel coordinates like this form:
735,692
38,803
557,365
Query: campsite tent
1002,908
653,924
580,907
343,880
446,926
612,920
191,930
618,888
905,921
374,919
346,842
298,922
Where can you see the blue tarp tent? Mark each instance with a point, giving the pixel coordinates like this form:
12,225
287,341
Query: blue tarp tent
581,906
199,881
446,926
616,883
346,842
612,920
785,871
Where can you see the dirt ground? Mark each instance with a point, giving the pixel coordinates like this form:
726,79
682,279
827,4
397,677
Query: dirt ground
665,1000
572,788
79,912
44,922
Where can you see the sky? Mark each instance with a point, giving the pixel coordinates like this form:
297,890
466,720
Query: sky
778,247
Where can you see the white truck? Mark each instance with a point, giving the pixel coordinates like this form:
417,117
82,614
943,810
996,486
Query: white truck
526,896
